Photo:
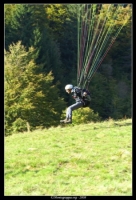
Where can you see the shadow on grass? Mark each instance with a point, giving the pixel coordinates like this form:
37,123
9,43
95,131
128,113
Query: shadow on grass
11,172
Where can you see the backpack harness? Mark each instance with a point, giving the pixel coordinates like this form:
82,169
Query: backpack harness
79,94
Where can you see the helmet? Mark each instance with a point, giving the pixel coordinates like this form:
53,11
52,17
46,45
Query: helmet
68,87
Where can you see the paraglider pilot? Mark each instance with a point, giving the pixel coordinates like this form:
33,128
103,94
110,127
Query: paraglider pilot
82,98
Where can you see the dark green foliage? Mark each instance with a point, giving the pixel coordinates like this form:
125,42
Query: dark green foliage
101,95
47,53
65,32
24,19
20,27
110,97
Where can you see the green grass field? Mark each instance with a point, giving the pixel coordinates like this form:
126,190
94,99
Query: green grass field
93,159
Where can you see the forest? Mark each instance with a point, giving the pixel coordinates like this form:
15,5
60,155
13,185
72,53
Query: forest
41,57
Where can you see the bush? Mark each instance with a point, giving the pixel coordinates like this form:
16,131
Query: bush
83,115
7,129
19,125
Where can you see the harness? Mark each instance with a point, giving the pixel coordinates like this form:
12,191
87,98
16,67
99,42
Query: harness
78,95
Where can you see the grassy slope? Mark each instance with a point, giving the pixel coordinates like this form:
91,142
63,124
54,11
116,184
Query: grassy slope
88,159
